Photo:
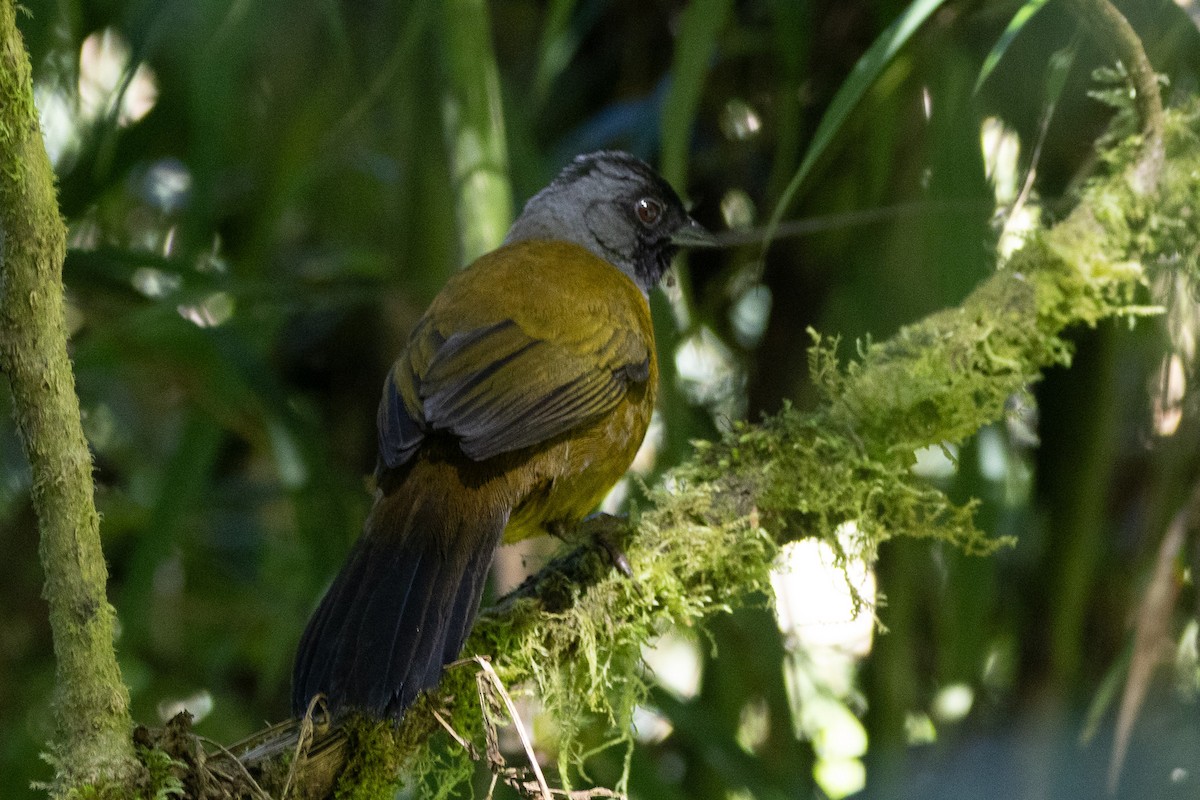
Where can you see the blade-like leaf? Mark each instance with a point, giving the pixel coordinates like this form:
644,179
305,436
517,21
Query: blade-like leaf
881,51
699,25
1023,15
556,48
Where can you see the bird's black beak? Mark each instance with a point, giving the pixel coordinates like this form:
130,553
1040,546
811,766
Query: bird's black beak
693,234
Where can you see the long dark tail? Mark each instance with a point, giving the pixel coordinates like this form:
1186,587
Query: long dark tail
402,605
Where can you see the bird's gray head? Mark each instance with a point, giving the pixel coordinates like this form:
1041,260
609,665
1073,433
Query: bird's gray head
618,208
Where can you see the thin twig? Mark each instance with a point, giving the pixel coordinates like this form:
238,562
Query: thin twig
303,741
470,748
490,672
257,790
852,219
1043,131
1150,638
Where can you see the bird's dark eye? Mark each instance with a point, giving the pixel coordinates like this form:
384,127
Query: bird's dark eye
648,210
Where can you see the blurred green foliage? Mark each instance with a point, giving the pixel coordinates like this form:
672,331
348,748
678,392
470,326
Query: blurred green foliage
249,255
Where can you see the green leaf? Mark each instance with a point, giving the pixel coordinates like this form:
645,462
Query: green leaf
1059,67
878,55
556,48
1023,15
699,26
473,118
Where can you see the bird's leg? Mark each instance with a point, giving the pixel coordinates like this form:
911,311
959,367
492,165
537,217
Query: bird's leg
607,531
556,585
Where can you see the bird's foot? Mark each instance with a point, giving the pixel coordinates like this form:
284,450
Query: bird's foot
610,533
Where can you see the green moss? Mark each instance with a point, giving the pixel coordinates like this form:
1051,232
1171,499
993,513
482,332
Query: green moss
92,740
374,769
164,771
160,780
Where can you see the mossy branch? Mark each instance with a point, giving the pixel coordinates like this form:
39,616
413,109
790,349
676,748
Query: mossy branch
93,745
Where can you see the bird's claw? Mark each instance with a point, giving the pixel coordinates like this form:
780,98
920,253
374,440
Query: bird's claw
608,531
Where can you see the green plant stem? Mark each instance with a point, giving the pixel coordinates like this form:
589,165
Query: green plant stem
473,119
91,703
1078,465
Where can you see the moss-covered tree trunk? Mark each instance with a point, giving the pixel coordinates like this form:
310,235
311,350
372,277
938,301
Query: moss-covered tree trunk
91,705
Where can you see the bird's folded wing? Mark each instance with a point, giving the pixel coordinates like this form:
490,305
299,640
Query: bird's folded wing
497,388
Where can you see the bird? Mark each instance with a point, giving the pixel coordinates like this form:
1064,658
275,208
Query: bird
519,400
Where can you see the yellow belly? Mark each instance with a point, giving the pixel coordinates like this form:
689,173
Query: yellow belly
569,479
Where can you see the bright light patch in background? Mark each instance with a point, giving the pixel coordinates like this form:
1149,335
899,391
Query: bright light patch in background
1021,419
952,703
737,209
839,743
823,604
1001,148
1000,665
155,283
213,262
289,461
1004,461
919,728
750,314
675,661
103,72
936,462
58,121
649,726
815,603
739,121
993,455
1169,389
1192,8
213,310
703,362
754,725
846,772
1187,662
199,705
106,83
647,453
709,375
167,185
